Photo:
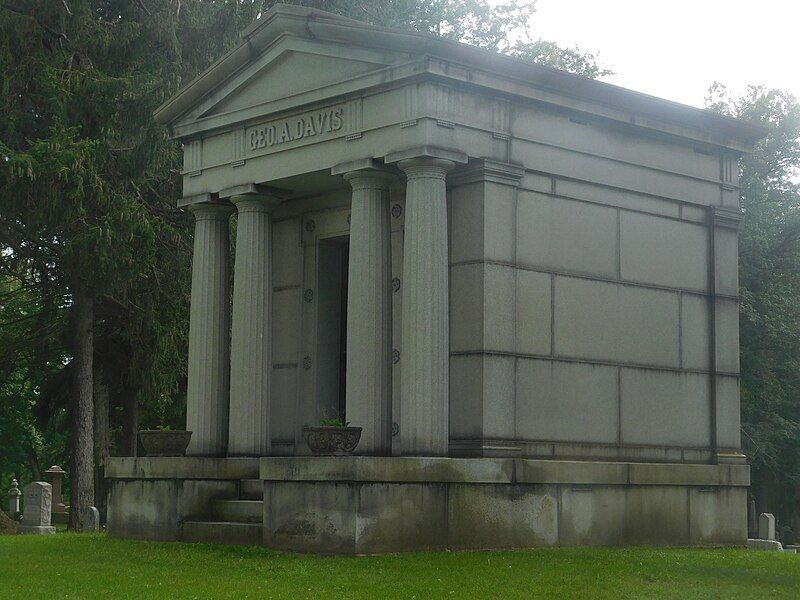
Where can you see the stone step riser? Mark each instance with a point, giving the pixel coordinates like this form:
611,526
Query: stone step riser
251,489
238,511
248,534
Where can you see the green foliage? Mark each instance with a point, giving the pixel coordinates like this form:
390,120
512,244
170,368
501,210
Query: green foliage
337,422
769,273
566,59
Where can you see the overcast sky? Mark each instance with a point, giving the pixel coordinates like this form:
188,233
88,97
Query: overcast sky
675,49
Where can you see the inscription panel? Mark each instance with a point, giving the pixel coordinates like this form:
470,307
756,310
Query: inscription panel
305,127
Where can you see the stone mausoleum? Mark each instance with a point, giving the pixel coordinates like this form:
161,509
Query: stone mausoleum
521,283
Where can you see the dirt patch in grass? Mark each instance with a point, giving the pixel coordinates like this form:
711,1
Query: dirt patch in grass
8,526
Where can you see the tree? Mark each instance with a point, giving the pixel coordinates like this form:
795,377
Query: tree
85,218
769,273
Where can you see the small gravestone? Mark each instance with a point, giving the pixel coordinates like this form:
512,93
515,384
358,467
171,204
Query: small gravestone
36,515
91,520
766,527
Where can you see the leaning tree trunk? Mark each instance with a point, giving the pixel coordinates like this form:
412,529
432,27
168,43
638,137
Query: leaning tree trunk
102,438
82,461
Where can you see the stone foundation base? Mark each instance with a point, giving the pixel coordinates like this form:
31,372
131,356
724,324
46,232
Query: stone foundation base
37,529
369,505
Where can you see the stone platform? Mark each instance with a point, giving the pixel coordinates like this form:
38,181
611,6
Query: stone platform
367,505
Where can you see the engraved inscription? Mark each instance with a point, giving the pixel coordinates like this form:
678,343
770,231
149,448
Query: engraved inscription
301,127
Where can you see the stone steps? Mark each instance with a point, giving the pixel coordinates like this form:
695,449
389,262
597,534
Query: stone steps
238,511
230,521
222,532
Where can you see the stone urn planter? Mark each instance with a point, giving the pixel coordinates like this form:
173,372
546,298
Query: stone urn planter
329,440
163,442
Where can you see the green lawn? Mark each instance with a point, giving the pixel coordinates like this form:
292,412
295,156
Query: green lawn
92,566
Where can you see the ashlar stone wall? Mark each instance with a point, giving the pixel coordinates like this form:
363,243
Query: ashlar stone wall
594,307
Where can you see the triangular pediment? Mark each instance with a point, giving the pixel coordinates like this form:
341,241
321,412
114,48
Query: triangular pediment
292,71
291,74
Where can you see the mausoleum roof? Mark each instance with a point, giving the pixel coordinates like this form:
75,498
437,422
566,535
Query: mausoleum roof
465,64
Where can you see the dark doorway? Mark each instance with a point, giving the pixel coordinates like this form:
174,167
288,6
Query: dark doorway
332,279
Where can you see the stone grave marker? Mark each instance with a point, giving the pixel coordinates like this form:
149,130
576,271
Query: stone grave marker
36,511
54,476
91,520
13,498
766,527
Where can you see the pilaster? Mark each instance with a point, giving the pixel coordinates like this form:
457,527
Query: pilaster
724,334
485,303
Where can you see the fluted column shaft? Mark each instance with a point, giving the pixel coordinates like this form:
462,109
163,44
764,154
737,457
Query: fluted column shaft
368,388
209,329
251,341
425,330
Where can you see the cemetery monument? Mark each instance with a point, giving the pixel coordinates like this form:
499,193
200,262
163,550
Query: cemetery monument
521,284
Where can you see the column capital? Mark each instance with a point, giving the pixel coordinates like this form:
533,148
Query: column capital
210,211
251,203
252,197
369,178
426,167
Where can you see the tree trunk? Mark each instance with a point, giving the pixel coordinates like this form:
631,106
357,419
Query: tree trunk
82,460
130,422
102,438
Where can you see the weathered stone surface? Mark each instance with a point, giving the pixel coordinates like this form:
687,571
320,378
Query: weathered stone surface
369,307
766,526
758,544
153,509
249,417
13,498
354,506
426,333
718,515
55,476
37,508
498,471
209,333
91,520
179,467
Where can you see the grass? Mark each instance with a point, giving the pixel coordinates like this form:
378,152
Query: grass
93,566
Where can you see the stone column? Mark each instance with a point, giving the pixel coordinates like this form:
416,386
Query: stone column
369,334
209,331
425,330
251,340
